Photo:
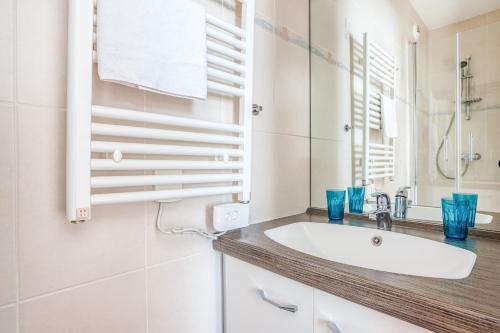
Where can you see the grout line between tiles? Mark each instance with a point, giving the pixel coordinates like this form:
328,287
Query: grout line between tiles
42,106
281,134
16,154
7,103
168,262
146,217
6,306
59,291
328,139
310,103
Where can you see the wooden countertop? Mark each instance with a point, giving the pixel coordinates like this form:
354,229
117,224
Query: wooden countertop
440,305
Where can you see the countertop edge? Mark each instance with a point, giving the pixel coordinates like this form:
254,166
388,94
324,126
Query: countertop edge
429,313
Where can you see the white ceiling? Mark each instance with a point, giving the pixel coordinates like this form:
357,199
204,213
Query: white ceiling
439,13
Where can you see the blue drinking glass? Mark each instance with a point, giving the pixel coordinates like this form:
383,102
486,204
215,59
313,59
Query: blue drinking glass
455,218
472,199
335,200
356,199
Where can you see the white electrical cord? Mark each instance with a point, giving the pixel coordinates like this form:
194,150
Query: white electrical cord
173,231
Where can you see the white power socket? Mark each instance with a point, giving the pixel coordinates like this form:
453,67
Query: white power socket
231,216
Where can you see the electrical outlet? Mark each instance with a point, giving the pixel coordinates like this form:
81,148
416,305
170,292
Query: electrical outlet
231,216
83,213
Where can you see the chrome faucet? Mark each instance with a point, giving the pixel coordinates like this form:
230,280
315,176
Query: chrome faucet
401,203
383,212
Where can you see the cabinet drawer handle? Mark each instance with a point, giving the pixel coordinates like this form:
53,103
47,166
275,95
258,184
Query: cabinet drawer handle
333,327
282,306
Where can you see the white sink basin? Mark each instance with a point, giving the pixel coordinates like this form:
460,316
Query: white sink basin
397,253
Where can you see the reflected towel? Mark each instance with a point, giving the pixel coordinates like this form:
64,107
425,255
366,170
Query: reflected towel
157,45
389,117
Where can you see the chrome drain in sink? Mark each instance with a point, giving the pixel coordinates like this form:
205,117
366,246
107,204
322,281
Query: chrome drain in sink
377,240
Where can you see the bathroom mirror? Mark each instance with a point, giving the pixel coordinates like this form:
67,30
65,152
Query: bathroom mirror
427,77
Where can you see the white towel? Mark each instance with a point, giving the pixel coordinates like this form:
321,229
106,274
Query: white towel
157,45
389,117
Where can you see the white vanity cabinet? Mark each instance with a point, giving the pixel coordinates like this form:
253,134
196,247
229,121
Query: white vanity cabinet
333,314
248,310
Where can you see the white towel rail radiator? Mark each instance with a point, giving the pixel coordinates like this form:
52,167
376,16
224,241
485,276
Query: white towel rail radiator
379,77
200,157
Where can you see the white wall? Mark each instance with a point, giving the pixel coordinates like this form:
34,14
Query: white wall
116,273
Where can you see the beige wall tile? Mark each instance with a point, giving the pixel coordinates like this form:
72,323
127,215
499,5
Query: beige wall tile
41,51
7,47
280,176
8,195
330,100
493,17
8,320
183,295
195,212
266,8
291,108
431,196
492,129
294,14
493,33
328,28
264,77
493,64
53,253
328,161
114,305
488,194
